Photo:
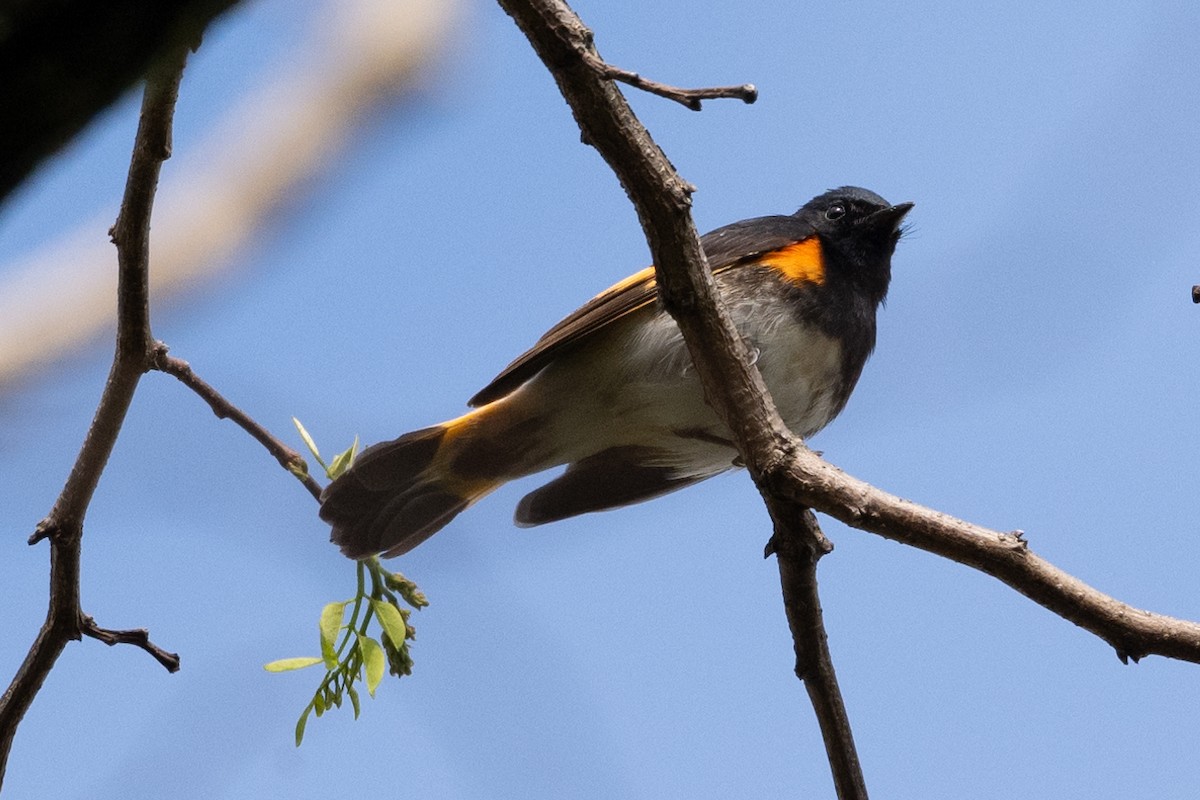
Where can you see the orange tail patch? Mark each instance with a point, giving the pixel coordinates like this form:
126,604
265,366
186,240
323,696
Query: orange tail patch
399,493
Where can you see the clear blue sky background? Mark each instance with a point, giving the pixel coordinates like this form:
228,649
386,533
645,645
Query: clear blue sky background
1036,369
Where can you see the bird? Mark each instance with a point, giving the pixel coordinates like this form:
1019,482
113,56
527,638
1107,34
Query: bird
610,391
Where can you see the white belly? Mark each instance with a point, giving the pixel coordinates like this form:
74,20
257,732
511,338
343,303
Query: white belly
638,387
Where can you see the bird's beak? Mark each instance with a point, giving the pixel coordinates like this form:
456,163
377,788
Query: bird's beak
888,219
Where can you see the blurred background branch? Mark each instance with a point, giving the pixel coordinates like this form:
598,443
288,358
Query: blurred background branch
361,54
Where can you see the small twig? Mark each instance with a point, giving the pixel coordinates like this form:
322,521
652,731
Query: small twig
138,637
798,544
288,458
691,98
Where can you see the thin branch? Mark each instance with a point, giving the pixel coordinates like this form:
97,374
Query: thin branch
288,458
801,476
691,98
138,637
63,526
798,545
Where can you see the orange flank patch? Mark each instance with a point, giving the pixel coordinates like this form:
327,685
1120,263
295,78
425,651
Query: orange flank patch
800,262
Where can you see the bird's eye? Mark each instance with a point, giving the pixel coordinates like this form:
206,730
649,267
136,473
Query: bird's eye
835,211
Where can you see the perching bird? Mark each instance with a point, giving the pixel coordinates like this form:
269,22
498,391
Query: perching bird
610,391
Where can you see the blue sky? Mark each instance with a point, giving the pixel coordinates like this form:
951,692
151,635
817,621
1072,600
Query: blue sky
1036,369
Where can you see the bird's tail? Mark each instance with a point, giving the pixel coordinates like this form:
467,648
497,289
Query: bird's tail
399,493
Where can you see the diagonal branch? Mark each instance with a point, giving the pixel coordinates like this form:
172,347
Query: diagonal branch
63,62
802,476
288,458
732,385
63,526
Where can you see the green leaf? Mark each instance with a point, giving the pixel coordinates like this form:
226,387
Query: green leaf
300,726
391,621
350,690
288,664
331,624
308,441
342,461
373,660
319,704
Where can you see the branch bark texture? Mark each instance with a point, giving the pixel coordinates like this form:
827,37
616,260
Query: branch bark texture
732,385
63,527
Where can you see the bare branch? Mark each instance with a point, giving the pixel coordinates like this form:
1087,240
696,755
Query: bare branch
288,458
691,98
138,637
63,527
804,477
798,545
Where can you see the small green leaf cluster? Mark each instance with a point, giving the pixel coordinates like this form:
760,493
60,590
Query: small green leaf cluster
341,462
349,652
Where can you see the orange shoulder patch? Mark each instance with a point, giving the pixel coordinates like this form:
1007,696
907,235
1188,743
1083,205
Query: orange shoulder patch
800,262
641,276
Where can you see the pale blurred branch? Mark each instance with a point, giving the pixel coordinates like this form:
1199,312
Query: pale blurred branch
361,55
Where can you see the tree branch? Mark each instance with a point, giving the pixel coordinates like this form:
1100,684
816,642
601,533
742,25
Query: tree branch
136,353
691,98
63,526
732,384
798,544
288,458
138,637
803,477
